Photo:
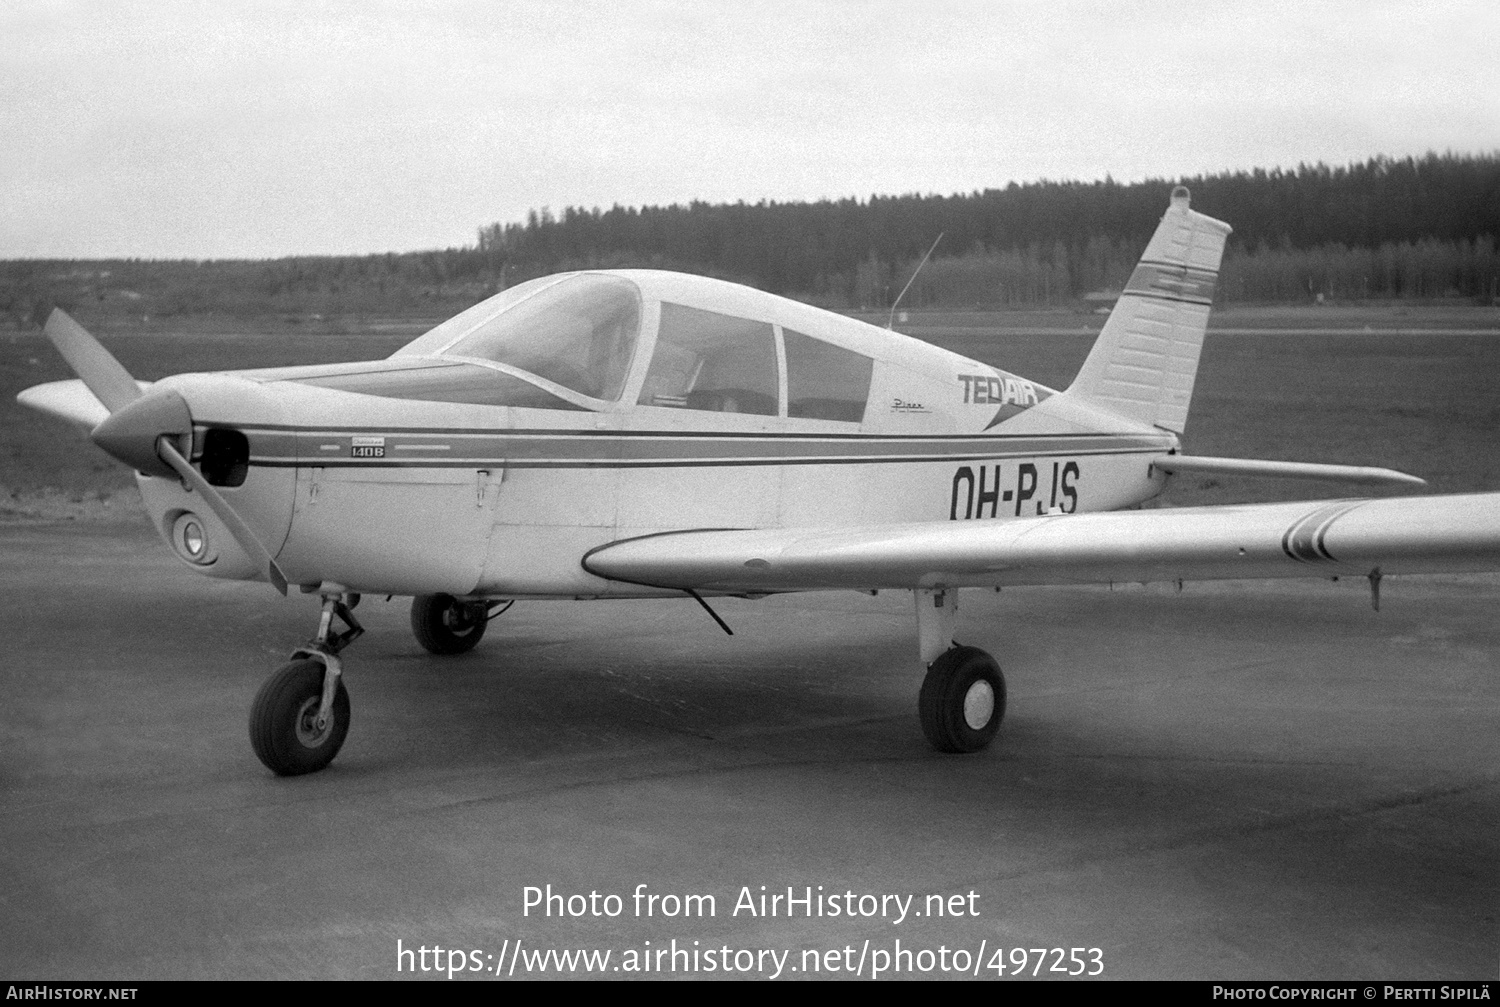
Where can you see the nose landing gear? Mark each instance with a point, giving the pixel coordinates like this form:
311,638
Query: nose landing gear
301,714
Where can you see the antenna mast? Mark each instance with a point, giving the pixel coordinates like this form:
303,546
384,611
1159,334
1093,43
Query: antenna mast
891,321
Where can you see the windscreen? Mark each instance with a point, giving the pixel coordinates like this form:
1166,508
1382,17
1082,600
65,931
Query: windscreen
438,382
579,332
466,321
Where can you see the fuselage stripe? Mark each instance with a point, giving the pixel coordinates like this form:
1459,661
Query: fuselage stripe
730,435
471,449
550,463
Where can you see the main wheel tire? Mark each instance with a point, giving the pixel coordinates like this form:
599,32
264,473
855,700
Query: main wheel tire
444,625
283,720
962,700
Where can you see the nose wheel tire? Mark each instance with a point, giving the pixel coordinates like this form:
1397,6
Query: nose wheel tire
444,625
284,727
962,700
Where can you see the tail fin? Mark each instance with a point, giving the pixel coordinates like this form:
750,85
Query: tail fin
1146,358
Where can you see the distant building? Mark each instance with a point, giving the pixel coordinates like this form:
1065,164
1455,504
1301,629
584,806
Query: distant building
1102,301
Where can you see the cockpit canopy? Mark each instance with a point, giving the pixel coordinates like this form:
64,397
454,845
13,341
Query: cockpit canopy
571,341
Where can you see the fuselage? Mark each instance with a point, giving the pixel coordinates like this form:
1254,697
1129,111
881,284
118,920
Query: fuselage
489,455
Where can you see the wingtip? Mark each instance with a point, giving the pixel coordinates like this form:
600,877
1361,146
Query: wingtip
1395,477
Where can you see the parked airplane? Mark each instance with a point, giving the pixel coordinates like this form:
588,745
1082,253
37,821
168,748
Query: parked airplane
635,433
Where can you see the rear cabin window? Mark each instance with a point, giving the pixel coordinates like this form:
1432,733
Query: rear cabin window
823,381
705,360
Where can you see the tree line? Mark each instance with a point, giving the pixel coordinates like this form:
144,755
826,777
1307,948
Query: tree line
1063,232
1388,227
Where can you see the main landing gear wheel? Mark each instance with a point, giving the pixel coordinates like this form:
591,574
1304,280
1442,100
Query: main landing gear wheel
284,729
444,625
962,700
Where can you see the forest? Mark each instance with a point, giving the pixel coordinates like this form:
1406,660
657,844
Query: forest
1388,228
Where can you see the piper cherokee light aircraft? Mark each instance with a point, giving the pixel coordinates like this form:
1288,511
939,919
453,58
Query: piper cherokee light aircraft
635,434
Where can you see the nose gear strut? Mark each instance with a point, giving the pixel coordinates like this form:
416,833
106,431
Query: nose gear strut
301,714
325,646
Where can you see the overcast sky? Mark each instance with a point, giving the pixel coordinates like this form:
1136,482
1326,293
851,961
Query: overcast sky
200,130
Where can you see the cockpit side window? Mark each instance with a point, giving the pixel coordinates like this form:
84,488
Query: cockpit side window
580,333
824,381
705,360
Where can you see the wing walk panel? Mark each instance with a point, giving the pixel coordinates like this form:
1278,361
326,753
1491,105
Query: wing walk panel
1310,539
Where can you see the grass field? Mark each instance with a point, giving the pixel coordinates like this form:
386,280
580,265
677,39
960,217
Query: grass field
1304,384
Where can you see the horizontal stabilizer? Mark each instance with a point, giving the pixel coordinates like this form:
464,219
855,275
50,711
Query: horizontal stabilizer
1364,474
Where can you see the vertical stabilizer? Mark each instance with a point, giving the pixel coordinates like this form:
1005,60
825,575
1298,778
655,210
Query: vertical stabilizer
1146,358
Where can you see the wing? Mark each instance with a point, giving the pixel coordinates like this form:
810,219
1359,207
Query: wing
1315,539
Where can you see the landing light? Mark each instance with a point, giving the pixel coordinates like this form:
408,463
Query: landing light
190,539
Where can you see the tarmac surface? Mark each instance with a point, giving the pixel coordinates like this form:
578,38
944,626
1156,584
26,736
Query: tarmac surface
1238,781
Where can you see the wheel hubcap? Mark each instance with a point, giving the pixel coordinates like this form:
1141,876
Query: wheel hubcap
308,732
979,705
461,620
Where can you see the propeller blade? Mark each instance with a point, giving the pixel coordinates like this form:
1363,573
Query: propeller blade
225,513
110,382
